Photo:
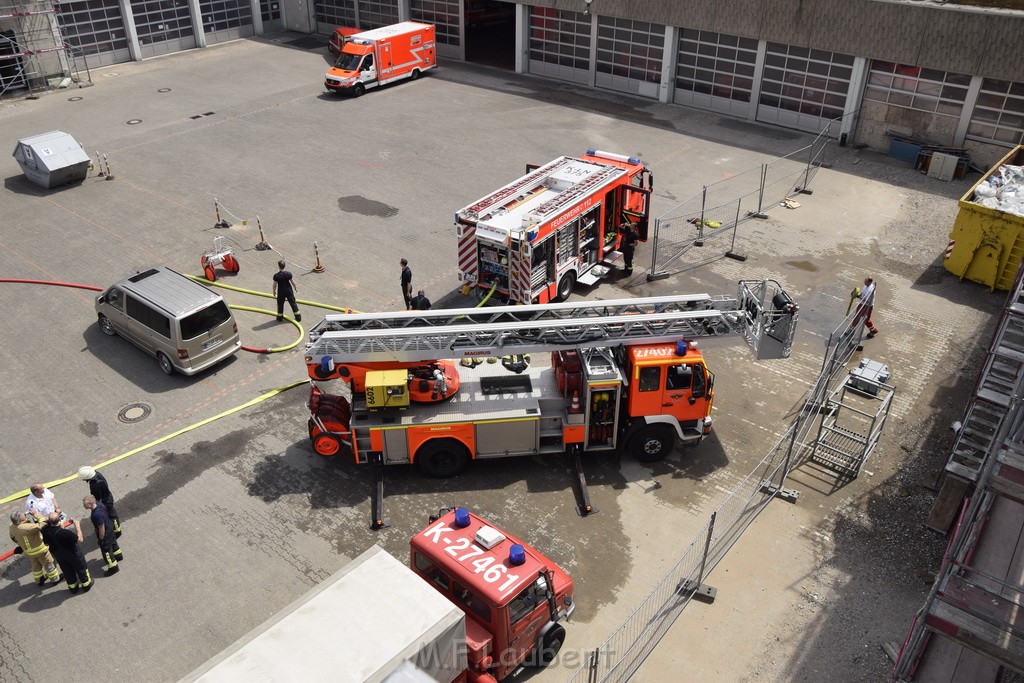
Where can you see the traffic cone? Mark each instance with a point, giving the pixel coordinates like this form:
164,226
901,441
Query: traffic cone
574,407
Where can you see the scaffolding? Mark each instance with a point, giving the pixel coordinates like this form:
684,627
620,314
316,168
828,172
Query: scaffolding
34,57
971,626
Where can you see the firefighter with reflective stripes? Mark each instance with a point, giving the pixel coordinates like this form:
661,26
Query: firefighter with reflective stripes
64,545
101,491
105,536
28,535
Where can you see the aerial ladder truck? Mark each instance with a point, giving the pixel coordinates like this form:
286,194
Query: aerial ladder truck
425,387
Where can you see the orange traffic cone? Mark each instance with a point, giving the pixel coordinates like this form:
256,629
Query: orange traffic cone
574,407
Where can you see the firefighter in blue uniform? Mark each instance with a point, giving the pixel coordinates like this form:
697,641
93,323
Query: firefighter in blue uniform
98,488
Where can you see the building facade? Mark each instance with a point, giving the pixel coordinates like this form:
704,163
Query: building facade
863,71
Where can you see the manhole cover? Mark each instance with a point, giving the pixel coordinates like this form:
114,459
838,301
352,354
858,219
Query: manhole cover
76,98
134,122
164,90
134,412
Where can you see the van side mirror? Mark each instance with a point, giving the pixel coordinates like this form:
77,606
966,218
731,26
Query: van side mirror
102,298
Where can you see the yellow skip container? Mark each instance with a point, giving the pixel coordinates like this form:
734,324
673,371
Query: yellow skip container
986,244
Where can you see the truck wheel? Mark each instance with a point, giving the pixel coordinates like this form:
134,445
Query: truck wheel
549,645
165,364
326,445
442,458
415,74
358,89
565,286
106,327
652,443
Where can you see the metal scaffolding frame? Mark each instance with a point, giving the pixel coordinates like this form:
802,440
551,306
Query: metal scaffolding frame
34,56
977,599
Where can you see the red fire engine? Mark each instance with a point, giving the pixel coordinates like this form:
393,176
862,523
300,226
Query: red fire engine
558,225
622,374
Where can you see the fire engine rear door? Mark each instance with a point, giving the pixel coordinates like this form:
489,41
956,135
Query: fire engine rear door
637,208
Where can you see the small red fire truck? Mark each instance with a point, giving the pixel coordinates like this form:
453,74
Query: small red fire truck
478,605
560,224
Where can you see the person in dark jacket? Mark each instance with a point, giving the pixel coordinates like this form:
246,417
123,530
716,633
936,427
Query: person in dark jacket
285,289
105,537
628,246
406,283
420,302
65,548
98,487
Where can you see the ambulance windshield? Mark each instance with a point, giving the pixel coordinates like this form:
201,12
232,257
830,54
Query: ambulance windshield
348,62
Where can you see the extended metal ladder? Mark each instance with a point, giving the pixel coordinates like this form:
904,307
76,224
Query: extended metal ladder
578,190
472,212
761,312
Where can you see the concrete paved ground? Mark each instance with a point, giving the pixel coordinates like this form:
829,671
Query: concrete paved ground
226,524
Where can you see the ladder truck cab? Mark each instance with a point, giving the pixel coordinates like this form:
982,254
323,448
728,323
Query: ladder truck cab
603,376
560,224
474,605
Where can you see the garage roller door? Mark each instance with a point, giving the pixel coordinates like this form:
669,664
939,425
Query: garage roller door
804,89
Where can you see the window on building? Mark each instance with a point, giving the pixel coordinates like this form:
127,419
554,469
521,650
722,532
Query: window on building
806,81
716,64
631,49
443,14
560,37
998,115
92,26
377,13
917,88
336,12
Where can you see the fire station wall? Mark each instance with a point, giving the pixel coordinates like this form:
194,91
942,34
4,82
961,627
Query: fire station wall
875,119
960,39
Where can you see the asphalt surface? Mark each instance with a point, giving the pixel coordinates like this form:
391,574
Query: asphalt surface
226,524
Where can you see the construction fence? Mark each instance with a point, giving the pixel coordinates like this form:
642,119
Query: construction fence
716,212
618,658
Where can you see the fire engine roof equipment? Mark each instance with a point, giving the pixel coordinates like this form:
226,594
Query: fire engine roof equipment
52,159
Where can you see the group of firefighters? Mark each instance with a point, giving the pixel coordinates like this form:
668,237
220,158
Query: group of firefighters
52,541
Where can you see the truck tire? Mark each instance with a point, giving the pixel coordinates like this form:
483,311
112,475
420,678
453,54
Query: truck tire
652,443
106,327
565,286
326,445
549,645
442,458
358,89
415,74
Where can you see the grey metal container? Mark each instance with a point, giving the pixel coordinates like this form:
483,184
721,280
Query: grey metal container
52,159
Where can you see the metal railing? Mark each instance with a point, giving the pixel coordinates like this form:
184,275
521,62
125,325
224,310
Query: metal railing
618,658
719,208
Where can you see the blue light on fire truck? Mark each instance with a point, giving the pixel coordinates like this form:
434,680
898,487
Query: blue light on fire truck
681,346
327,364
516,554
461,518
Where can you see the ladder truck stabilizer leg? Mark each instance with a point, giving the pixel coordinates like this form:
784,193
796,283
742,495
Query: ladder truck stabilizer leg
579,482
377,520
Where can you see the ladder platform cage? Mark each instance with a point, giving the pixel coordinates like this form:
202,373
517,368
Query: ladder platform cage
850,428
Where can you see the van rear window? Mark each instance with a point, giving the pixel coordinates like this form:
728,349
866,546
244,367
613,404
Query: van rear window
205,320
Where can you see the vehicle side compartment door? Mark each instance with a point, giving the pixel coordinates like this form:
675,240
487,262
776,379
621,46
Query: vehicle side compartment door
636,208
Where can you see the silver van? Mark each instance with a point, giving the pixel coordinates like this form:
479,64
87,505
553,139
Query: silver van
185,325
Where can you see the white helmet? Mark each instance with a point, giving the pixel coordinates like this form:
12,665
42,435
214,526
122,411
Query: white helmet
86,473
